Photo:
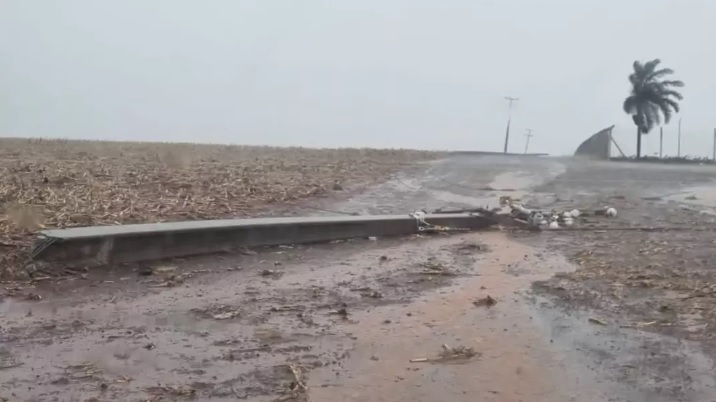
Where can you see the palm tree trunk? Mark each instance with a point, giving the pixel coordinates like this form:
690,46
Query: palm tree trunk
638,143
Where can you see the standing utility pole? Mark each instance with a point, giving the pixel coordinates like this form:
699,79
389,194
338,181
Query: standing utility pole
529,135
678,150
661,141
509,119
714,151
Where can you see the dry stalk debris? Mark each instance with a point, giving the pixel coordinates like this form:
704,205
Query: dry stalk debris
487,301
448,353
435,268
159,393
62,183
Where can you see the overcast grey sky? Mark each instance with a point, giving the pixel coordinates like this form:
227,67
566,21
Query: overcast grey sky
379,73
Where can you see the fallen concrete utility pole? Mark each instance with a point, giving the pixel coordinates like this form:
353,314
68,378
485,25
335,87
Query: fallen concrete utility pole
101,245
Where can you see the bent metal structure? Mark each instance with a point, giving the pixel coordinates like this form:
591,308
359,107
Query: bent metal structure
598,146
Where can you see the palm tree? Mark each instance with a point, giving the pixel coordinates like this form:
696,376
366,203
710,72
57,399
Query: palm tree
651,98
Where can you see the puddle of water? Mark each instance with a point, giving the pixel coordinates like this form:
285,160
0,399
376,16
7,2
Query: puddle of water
701,199
453,198
639,365
513,180
519,181
704,195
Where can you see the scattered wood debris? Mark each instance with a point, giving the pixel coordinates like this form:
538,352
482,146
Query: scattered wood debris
472,247
487,301
227,315
164,269
435,268
597,321
84,371
172,280
372,294
270,273
449,354
644,324
268,334
159,393
367,291
297,390
291,308
297,385
33,296
342,312
217,312
4,366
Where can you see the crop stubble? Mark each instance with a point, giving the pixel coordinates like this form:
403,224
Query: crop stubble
64,183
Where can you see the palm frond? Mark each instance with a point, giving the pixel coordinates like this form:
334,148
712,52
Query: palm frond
650,67
630,104
665,109
646,72
638,67
674,83
666,93
674,105
635,77
651,118
658,74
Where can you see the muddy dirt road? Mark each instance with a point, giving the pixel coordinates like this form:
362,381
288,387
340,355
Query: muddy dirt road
482,316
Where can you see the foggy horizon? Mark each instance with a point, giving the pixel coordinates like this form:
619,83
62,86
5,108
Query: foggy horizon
349,74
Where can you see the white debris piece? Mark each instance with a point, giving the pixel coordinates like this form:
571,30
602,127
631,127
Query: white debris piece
536,219
553,219
519,208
